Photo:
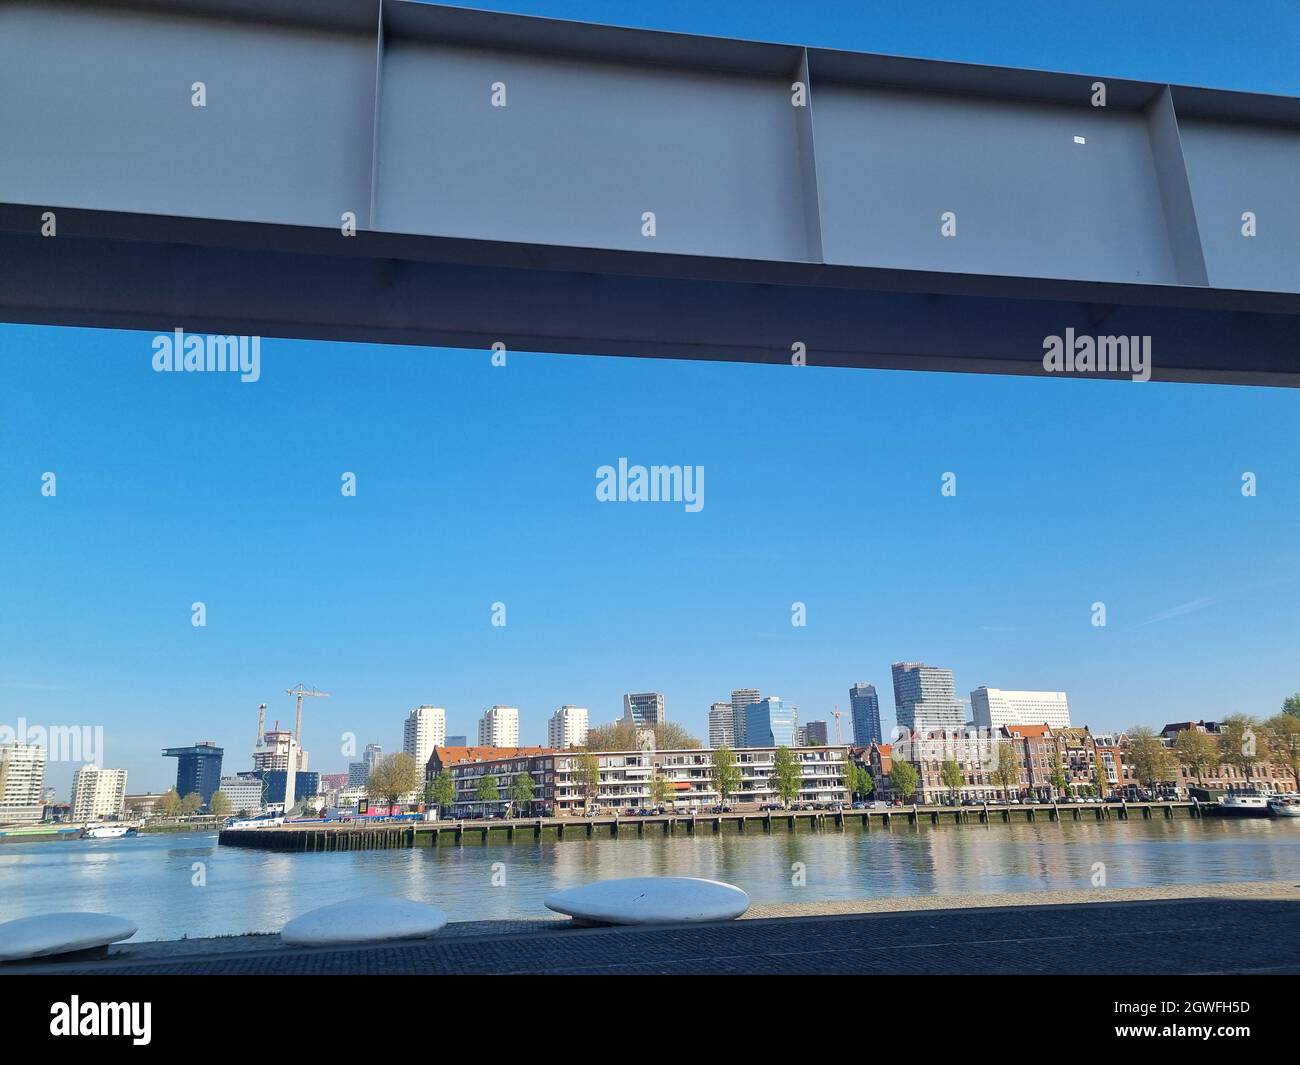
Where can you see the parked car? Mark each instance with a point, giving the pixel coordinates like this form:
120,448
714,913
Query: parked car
859,806
769,806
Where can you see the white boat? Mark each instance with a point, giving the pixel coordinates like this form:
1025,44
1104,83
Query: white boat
107,831
1244,804
254,822
1284,805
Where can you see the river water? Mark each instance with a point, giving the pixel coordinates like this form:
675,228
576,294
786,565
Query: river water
185,885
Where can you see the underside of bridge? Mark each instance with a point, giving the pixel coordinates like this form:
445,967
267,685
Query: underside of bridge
408,173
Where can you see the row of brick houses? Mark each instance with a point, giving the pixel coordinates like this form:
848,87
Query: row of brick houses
626,777
1041,752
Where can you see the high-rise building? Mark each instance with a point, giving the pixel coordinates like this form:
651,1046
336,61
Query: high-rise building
722,726
424,729
567,727
864,705
992,708
814,734
925,698
359,772
644,708
741,698
198,768
499,727
98,793
22,782
770,723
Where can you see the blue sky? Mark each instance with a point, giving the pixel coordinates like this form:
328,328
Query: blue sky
476,485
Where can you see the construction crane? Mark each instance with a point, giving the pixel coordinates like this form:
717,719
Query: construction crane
261,726
300,691
837,713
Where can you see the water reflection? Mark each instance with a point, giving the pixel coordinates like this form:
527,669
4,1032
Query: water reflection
154,881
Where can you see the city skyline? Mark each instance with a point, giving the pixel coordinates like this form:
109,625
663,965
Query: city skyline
173,489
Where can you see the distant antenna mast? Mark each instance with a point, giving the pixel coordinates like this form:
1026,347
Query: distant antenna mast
261,726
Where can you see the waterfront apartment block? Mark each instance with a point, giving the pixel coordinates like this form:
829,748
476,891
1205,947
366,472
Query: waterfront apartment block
864,705
561,785
1264,775
198,768
424,729
722,729
925,698
992,708
499,727
468,774
446,757
98,793
567,727
644,708
625,778
22,782
740,699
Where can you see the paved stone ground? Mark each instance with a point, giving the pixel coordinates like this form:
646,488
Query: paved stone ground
1249,933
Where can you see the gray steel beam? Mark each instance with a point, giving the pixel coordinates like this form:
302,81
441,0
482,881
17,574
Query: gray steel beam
774,223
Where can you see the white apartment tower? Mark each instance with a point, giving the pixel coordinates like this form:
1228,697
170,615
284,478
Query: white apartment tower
567,727
992,708
424,729
98,793
499,727
22,782
722,730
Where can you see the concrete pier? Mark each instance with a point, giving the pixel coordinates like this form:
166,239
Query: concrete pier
355,835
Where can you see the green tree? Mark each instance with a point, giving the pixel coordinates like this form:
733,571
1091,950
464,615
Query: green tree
393,776
1284,743
521,791
858,780
1239,742
485,791
787,774
1058,778
1100,777
903,778
658,791
441,790
1291,705
191,804
219,804
950,774
1006,770
1151,760
724,773
1196,750
169,804
621,736
588,778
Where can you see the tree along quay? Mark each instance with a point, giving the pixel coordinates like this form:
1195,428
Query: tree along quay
349,836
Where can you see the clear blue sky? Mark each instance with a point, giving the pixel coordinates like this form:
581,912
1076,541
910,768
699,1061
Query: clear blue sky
476,484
